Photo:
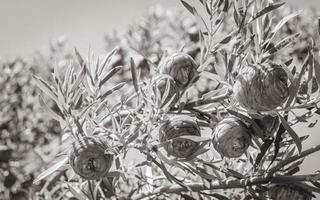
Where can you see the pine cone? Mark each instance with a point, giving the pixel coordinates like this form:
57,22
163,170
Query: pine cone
175,127
261,87
289,192
88,159
161,83
181,67
231,137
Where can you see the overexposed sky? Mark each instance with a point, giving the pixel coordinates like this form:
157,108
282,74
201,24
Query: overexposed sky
29,25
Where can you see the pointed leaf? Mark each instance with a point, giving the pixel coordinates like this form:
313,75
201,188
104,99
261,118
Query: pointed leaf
110,91
187,6
51,112
292,133
79,79
109,75
264,148
79,57
283,43
79,195
317,70
187,197
134,75
318,25
219,196
45,88
226,6
285,20
277,141
107,60
51,170
213,93
267,10
294,88
233,173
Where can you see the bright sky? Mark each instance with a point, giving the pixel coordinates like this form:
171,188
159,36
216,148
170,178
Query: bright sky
29,25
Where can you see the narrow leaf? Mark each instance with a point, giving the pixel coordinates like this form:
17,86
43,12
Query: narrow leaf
264,148
134,75
292,133
45,88
317,70
109,75
79,195
187,197
213,93
318,25
79,79
110,91
51,112
234,173
315,183
267,10
285,20
79,57
219,196
277,141
187,6
283,43
245,45
51,170
294,88
107,60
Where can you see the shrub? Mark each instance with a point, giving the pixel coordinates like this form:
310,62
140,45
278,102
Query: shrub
182,132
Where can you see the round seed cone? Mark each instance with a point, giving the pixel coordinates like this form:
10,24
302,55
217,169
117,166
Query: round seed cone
181,67
231,137
261,87
88,159
175,127
289,192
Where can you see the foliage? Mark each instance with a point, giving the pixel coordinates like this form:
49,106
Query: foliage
117,101
25,132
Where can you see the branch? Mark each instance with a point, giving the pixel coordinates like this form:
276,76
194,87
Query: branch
227,184
119,114
215,99
292,159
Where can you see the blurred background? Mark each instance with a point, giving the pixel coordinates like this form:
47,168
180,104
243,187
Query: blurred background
27,26
37,30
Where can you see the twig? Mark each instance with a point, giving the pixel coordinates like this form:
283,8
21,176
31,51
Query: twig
227,184
119,114
202,102
292,159
313,104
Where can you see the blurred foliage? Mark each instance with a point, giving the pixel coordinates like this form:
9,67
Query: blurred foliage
27,133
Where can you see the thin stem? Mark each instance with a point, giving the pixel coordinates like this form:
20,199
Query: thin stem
227,184
292,107
121,113
292,159
202,102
